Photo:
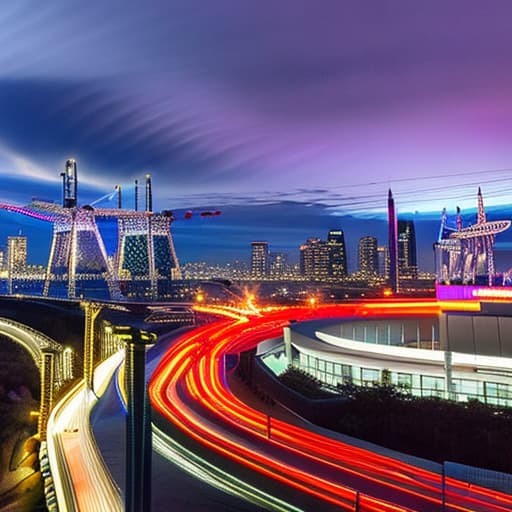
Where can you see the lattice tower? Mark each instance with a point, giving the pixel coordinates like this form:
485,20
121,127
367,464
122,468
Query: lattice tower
146,249
78,254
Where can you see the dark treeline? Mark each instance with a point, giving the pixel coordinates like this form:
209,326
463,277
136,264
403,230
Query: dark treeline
440,430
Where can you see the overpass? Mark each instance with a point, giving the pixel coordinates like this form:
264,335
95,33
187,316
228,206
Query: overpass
50,358
61,334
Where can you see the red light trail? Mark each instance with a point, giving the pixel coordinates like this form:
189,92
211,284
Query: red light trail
189,389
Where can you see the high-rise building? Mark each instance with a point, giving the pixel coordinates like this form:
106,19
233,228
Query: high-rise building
278,264
383,261
337,253
314,259
392,243
259,259
367,256
407,265
320,259
16,254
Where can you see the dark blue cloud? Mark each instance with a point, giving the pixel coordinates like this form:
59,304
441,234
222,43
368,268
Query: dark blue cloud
260,109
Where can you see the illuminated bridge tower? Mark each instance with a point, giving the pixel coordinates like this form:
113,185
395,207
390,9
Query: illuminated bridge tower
69,184
465,255
145,250
78,260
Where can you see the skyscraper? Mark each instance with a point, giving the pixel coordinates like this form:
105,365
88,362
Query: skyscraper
314,259
277,264
259,259
337,254
392,243
16,259
407,265
16,254
367,256
324,260
383,261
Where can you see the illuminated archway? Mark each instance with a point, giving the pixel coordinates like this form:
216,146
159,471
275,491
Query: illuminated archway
46,354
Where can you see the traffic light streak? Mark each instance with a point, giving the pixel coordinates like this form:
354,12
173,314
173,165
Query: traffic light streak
192,370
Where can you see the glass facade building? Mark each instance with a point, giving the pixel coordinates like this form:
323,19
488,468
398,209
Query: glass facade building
368,256
407,263
324,260
259,259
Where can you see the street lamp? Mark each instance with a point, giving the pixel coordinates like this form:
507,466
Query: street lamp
138,420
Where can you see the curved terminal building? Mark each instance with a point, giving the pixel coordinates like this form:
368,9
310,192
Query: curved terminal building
413,353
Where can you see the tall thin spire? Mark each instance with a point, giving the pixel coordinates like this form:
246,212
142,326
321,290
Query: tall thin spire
69,184
459,219
149,194
119,197
442,227
392,243
481,210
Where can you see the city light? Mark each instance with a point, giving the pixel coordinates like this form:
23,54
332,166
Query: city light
325,253
195,362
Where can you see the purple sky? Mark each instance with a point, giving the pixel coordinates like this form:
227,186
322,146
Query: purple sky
235,102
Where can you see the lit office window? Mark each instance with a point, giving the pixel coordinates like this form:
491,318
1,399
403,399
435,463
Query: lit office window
370,377
432,386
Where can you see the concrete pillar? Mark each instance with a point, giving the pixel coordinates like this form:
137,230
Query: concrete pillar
444,343
287,336
91,311
449,392
47,386
138,420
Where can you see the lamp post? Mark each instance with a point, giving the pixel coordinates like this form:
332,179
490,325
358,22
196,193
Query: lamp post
138,420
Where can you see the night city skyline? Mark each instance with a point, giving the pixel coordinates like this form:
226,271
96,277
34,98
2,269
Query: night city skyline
225,238
256,256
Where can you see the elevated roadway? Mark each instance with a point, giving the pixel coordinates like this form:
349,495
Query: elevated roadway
189,389
82,481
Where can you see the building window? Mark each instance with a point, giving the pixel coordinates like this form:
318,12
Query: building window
346,374
404,381
466,389
497,393
432,386
369,376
